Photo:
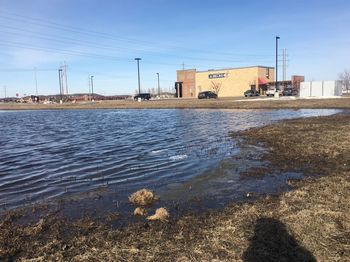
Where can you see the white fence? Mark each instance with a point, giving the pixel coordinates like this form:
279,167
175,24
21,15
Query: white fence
320,89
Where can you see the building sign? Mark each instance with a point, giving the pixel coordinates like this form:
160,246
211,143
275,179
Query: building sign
219,75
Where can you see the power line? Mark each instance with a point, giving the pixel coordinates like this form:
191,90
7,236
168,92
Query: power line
116,77
85,54
46,23
63,51
66,40
85,72
15,70
38,35
91,55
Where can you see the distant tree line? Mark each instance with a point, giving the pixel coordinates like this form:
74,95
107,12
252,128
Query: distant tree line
154,91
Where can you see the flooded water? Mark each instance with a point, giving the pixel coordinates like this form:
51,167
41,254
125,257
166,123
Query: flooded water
181,154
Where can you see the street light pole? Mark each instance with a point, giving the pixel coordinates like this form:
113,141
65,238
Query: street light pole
158,86
276,84
138,72
60,83
92,88
89,88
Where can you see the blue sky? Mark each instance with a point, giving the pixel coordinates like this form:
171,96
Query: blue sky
102,38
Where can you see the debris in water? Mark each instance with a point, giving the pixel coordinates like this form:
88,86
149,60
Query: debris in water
143,197
249,194
161,214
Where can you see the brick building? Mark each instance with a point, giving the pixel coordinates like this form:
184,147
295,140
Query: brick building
226,82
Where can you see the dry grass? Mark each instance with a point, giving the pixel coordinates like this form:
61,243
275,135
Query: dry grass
223,103
143,197
310,223
317,146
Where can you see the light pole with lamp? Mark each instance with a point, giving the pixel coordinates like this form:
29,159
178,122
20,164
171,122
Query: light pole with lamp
276,71
138,72
92,88
60,83
158,86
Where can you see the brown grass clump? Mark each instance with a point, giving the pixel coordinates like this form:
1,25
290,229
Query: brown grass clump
161,214
143,197
140,211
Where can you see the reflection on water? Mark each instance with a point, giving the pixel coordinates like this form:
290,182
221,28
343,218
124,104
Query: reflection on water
46,154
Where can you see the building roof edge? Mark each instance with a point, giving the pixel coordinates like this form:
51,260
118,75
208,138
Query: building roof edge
232,68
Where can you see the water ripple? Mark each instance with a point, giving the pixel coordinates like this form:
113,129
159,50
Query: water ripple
46,154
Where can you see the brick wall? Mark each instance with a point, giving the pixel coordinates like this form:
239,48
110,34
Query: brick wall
188,79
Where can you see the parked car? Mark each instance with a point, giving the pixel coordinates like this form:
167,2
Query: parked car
289,92
143,96
251,93
207,95
271,92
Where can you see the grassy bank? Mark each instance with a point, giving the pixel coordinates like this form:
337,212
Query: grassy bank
227,103
309,223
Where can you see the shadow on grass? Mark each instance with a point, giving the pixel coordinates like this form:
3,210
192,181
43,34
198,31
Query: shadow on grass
271,242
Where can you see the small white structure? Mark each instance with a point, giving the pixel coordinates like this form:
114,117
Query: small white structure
320,89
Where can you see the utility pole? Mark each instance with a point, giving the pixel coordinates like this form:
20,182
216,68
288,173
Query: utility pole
64,78
61,74
36,82
183,66
60,82
276,84
138,72
158,85
92,88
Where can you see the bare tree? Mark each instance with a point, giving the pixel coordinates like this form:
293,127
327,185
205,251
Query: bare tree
216,87
345,80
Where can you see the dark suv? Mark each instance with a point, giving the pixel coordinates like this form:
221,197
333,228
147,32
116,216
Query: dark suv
251,93
207,95
143,96
289,92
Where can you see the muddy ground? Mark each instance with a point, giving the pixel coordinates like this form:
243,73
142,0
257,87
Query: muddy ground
309,223
222,103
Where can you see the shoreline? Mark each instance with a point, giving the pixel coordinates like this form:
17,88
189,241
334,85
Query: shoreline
312,220
224,103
